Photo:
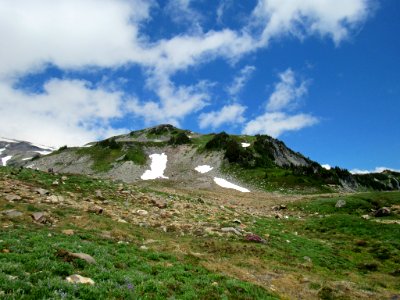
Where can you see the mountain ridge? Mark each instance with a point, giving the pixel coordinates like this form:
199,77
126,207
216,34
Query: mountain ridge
257,162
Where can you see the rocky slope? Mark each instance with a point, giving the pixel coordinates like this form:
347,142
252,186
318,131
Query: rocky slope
14,152
252,162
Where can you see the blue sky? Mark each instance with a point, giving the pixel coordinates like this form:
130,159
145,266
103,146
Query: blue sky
321,75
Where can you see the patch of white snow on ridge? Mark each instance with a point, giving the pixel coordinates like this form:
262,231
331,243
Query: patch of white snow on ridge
28,158
1,150
43,152
43,146
4,160
326,166
203,169
245,145
7,140
226,184
157,167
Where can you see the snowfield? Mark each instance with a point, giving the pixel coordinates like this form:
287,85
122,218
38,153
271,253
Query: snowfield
245,145
226,184
203,169
43,152
157,167
4,160
1,150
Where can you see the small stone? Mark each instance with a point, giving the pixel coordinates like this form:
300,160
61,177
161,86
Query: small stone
12,197
5,251
143,247
41,191
95,209
70,256
64,178
282,206
160,203
80,279
278,216
36,216
142,212
366,217
99,194
237,221
340,203
54,199
68,232
55,182
214,283
308,259
254,238
86,257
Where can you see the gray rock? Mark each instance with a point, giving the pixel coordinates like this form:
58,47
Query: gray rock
232,230
12,213
160,203
340,203
41,191
79,279
99,194
86,257
36,216
12,197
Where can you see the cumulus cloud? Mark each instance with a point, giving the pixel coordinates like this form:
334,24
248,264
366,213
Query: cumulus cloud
332,18
76,34
175,102
286,92
276,123
240,80
69,112
326,166
229,114
376,170
275,120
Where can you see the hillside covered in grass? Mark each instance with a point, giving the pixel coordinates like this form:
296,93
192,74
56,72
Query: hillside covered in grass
157,242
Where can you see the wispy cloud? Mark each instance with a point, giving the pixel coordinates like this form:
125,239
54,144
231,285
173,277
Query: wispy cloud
276,120
276,123
229,114
376,170
287,92
240,80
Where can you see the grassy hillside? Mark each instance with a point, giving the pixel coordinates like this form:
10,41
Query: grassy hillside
313,249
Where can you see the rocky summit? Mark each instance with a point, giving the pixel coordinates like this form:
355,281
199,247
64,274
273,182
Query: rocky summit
168,213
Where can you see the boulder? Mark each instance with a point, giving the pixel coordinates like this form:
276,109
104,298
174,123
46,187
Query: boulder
12,213
12,197
80,279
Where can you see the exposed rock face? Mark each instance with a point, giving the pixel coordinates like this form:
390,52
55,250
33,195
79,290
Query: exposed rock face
16,153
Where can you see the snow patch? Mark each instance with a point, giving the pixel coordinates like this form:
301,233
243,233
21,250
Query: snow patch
226,184
326,166
203,169
7,140
245,145
1,150
43,146
43,152
28,158
4,160
157,167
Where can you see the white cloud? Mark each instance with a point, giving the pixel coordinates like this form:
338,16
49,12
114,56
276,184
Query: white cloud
376,170
240,80
175,102
286,92
229,114
68,112
332,18
182,12
76,34
69,33
275,123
